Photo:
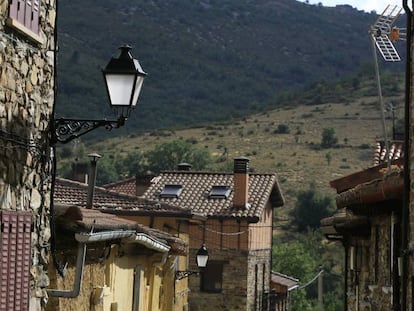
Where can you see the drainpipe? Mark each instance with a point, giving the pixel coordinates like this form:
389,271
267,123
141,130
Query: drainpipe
92,179
407,169
83,239
346,245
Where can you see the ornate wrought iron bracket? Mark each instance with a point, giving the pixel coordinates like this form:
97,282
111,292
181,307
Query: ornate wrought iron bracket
66,130
179,275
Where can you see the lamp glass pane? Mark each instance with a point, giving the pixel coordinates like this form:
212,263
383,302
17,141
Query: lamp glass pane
202,261
140,80
120,88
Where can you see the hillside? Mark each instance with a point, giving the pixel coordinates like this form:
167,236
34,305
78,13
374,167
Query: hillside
207,60
296,155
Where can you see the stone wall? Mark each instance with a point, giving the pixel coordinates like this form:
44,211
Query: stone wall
258,278
246,276
369,275
26,104
234,286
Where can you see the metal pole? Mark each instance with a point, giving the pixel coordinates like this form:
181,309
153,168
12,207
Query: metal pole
381,102
92,179
407,170
320,291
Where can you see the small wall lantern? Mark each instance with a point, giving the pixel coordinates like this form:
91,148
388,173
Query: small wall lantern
201,259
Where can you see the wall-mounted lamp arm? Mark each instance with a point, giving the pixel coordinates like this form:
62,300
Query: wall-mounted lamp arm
179,275
66,130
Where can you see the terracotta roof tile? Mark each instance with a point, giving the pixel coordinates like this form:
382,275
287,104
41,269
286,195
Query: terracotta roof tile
75,193
127,186
196,187
396,151
284,280
389,186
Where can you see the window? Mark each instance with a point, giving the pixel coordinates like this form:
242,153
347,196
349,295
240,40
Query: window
220,192
171,191
212,277
24,17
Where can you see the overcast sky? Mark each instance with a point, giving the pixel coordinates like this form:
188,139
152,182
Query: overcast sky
367,5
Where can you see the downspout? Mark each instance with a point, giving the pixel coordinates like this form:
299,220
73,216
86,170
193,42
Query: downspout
83,239
346,245
406,201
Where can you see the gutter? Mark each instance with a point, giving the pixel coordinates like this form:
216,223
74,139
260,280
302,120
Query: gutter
83,239
149,242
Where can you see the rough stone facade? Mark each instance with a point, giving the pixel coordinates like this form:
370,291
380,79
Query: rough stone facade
246,277
258,279
26,105
371,265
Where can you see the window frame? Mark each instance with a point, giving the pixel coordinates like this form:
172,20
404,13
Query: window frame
211,276
24,17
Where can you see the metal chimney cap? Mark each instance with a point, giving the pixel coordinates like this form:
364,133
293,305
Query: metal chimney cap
94,156
184,166
241,165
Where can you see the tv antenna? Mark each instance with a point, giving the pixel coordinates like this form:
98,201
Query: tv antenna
383,34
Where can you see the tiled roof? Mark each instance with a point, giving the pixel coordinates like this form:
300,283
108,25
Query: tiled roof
78,219
196,187
70,192
126,186
389,186
396,151
284,280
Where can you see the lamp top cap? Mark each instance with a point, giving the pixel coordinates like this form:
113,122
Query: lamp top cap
202,251
125,63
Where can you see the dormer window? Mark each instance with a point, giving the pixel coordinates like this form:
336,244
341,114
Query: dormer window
220,192
171,191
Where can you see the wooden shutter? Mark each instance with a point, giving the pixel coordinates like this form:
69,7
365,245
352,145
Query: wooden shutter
26,12
32,15
15,250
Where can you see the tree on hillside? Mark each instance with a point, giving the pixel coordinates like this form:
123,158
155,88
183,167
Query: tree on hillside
168,155
310,208
329,138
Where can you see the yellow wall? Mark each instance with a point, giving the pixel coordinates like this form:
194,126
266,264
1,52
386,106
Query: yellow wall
114,278
174,293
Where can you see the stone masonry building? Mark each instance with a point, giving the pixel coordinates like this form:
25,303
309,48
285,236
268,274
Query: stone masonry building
27,71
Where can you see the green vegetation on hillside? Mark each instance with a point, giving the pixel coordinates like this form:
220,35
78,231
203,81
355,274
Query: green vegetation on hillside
209,61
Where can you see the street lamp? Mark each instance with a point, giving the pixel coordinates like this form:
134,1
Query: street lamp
201,259
123,78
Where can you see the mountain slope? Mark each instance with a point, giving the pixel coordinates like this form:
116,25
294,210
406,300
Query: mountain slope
207,60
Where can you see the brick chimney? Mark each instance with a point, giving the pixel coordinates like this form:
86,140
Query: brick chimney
241,182
143,182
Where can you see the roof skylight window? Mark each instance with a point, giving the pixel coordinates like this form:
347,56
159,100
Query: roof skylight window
171,191
220,192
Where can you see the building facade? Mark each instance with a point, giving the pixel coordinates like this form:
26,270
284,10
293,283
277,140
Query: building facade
27,44
368,223
237,211
116,269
